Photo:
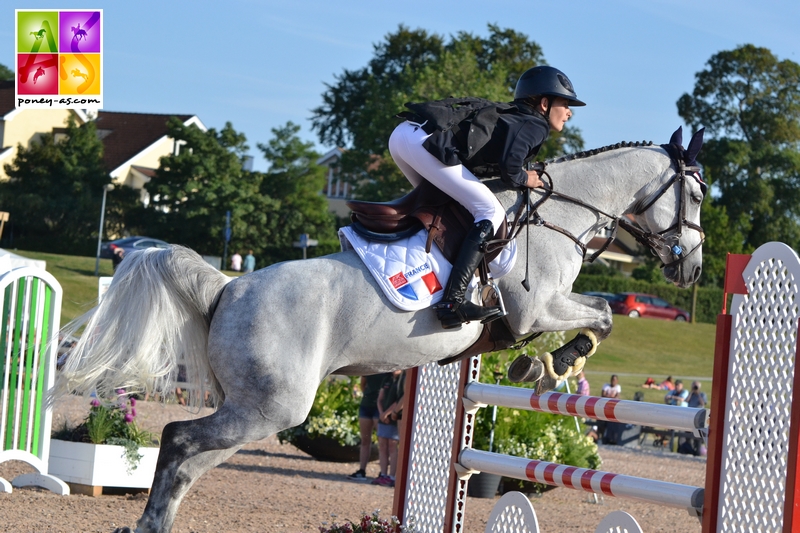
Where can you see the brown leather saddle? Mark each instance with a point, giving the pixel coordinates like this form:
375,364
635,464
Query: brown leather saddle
426,207
447,223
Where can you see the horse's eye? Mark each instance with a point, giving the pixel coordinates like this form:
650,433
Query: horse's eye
697,200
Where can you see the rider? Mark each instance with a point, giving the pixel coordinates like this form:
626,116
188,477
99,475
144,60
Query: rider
507,137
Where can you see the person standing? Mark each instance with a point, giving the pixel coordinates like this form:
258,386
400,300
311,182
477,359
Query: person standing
236,262
249,262
610,432
583,384
368,419
390,406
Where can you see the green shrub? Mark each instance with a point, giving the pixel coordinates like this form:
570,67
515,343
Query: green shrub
334,414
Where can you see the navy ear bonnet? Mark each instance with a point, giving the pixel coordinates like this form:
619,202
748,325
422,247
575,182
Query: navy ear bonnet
689,155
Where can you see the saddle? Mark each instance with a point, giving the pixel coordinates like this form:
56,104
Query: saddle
446,221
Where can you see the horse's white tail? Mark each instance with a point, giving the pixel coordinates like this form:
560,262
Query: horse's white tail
155,316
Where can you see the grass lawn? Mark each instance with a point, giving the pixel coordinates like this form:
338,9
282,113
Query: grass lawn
636,349
646,347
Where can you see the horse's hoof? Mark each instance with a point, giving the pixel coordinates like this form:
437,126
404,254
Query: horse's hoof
525,369
546,384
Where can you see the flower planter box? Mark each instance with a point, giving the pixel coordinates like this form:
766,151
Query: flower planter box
87,468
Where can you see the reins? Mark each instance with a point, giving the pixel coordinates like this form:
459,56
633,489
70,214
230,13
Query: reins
653,241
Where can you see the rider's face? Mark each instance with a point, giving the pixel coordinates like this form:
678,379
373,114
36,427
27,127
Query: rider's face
559,112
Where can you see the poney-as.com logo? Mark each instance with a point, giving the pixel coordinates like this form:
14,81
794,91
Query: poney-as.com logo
59,59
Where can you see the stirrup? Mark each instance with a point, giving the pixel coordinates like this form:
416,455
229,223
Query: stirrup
453,314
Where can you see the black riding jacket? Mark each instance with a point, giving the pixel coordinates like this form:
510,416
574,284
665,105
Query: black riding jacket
497,141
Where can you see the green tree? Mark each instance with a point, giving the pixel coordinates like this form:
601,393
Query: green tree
54,192
412,65
749,102
193,190
294,180
6,73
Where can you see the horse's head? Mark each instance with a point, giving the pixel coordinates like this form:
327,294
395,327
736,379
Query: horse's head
670,211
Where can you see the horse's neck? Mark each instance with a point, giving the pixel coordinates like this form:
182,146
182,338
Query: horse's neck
611,182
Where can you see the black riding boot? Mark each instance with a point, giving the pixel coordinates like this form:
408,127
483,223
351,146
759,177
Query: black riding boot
455,309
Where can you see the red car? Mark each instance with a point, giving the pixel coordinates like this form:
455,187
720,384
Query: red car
635,304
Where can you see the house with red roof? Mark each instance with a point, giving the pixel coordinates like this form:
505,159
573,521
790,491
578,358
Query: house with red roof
133,143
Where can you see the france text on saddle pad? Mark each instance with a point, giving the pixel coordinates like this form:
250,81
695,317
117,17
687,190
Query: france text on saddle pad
411,278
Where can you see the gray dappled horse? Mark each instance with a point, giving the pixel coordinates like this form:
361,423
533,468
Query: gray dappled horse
263,342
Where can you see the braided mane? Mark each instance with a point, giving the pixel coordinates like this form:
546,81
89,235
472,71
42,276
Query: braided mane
595,151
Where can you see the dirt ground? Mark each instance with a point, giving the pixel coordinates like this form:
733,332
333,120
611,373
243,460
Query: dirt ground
269,487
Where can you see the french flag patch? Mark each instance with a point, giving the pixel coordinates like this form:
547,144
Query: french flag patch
420,286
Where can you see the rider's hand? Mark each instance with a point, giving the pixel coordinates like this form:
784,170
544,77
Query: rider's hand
533,179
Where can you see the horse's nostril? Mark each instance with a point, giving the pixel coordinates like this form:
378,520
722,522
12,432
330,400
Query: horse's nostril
696,273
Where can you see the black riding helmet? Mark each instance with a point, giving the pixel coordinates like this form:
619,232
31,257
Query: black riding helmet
546,81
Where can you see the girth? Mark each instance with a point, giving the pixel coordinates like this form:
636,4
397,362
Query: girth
427,207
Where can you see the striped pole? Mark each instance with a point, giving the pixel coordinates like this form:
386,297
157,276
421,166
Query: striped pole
572,477
625,411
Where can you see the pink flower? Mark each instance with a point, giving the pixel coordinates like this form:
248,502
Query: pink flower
128,418
133,412
133,402
95,402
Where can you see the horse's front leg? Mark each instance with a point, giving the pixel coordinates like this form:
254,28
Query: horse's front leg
592,315
191,448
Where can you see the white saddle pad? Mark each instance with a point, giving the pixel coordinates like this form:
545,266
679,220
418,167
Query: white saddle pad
411,278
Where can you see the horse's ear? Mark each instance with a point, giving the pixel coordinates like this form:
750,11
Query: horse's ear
677,137
690,157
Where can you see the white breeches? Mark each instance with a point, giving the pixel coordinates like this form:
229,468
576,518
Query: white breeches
458,182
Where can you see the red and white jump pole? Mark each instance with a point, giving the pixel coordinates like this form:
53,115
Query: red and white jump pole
625,411
571,477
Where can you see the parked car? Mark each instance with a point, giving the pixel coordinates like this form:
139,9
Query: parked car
607,296
635,304
130,244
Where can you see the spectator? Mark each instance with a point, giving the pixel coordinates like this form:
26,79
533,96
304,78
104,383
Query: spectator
249,262
236,262
116,257
696,397
368,420
390,406
610,431
677,396
612,389
694,446
583,384
667,384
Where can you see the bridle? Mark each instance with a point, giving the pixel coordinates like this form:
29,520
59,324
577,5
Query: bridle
668,246
665,247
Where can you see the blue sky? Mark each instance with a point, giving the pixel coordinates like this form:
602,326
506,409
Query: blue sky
259,64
